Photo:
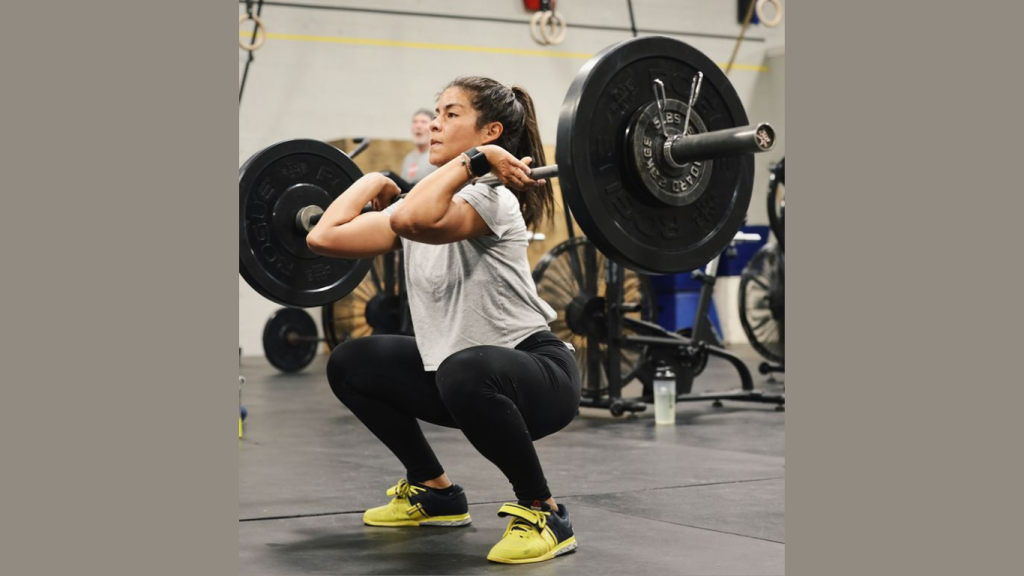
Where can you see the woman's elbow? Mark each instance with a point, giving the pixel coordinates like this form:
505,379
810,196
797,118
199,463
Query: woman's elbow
316,243
405,227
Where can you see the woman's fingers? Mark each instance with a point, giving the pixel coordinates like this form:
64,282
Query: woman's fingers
524,180
527,181
514,182
515,173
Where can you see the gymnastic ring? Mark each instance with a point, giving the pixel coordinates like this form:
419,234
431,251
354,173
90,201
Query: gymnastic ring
535,31
261,33
778,13
554,21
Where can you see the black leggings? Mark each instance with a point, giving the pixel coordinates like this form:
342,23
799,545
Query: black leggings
502,400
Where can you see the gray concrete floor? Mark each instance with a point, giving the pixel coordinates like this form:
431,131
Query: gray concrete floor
706,496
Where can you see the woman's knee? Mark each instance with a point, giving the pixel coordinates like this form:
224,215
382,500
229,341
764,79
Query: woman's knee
347,360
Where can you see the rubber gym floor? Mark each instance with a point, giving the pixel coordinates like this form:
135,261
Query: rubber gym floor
706,496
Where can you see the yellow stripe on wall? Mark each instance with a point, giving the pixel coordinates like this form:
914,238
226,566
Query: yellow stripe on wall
451,47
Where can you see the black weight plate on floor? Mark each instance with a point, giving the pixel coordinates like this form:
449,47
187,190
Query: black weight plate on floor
619,215
283,354
273,258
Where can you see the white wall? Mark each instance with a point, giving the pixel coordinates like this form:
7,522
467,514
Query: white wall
325,80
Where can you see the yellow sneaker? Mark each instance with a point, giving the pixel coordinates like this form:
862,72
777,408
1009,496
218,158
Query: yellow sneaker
414,505
534,534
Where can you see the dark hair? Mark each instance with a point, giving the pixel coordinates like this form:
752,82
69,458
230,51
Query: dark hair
513,109
423,112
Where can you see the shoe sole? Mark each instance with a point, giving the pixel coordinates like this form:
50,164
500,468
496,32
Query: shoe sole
448,521
563,548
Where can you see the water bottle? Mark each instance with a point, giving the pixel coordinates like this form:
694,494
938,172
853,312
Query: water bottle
664,396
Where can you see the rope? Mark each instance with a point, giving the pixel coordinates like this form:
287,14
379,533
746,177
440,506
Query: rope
255,29
743,32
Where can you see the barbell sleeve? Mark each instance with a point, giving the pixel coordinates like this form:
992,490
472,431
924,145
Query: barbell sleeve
307,217
680,149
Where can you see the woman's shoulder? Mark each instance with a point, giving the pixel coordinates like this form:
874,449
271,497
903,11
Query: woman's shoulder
497,193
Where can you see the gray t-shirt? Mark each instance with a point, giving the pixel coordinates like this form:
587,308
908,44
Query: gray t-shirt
477,291
416,166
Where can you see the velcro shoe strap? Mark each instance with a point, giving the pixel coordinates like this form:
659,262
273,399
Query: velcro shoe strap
538,519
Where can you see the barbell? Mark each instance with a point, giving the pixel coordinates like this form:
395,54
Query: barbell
651,195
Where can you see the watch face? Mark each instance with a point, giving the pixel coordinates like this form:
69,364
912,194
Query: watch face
478,162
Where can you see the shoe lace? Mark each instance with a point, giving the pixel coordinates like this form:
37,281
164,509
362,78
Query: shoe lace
403,490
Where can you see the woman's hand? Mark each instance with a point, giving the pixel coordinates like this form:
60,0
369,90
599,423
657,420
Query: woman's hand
388,191
512,172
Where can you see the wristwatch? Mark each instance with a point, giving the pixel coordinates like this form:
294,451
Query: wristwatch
478,162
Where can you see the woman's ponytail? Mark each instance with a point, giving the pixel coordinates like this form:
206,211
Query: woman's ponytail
537,203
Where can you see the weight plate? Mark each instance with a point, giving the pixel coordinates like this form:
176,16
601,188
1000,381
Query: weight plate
280,345
273,258
623,218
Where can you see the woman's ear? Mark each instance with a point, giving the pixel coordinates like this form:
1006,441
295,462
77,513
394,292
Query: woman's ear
493,131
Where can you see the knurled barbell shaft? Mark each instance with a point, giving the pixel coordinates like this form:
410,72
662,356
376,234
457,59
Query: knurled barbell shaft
679,149
307,218
710,145
538,173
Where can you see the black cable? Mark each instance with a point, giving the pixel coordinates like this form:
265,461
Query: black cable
255,29
632,20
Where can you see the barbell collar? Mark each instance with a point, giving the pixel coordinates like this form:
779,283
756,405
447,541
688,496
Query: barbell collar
679,150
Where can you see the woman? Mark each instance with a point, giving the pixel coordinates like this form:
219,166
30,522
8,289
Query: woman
482,359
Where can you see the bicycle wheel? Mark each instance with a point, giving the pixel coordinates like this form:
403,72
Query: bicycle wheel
777,201
558,286
762,303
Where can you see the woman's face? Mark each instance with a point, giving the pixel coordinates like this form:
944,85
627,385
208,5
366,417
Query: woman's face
453,129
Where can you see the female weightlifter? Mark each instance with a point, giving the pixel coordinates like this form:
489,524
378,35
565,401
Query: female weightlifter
482,360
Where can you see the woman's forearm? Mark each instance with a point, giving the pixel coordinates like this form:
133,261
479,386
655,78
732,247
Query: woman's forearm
429,200
351,202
